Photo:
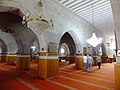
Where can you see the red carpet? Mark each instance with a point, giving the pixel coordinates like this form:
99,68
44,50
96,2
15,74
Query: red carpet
69,78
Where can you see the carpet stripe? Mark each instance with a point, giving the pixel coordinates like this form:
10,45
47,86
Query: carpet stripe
92,73
63,85
87,76
94,67
104,87
31,73
20,80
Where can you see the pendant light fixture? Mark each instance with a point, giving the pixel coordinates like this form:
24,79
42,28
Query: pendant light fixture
94,41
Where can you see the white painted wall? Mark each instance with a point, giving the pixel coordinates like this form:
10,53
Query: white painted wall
9,41
63,20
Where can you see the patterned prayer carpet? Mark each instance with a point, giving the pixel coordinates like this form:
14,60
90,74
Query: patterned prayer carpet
69,78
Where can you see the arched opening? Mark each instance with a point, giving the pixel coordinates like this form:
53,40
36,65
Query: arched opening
64,50
11,24
67,49
34,50
3,51
68,40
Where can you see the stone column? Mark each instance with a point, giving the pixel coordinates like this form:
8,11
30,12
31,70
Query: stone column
116,15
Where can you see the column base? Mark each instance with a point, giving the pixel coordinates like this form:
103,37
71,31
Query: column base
94,59
79,62
10,59
117,76
23,62
48,66
3,58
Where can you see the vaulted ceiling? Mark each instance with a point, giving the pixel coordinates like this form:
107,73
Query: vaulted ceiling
97,12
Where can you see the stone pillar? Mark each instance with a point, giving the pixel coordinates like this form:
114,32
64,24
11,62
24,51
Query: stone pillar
79,61
23,62
116,15
48,65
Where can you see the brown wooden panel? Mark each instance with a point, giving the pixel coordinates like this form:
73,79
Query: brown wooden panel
52,67
117,76
95,62
23,63
36,59
10,59
48,68
104,60
3,59
79,63
19,63
7,60
42,53
52,54
72,59
26,63
79,54
42,69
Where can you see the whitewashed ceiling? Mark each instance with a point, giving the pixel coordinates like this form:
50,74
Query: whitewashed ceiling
97,12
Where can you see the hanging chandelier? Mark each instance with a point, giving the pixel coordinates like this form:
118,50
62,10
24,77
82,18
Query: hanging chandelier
108,42
37,23
94,41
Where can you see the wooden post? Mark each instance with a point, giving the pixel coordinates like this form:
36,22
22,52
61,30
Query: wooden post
23,62
117,76
79,61
48,65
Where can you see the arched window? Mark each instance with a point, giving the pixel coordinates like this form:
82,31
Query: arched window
62,50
